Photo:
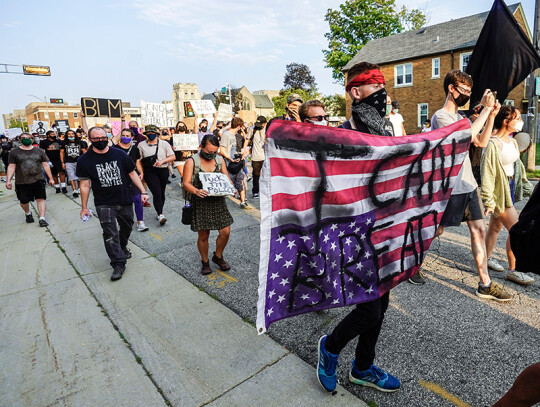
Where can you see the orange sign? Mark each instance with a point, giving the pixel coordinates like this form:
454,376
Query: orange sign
36,70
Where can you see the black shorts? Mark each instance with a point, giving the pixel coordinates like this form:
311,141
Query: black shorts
56,168
29,192
463,207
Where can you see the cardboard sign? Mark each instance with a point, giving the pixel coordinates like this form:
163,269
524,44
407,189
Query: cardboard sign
185,142
205,107
216,183
40,127
12,133
170,114
224,112
154,113
95,107
62,125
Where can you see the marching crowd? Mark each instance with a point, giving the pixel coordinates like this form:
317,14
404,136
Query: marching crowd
121,169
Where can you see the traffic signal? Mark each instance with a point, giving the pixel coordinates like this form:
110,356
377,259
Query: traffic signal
188,110
59,101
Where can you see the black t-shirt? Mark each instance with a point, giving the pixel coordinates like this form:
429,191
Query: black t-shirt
6,146
109,174
52,148
133,152
73,150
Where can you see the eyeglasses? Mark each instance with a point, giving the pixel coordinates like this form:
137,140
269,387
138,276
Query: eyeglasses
319,118
466,92
93,140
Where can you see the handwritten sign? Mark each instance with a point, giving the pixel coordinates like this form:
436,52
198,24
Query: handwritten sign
183,142
224,112
12,133
205,107
154,113
217,184
95,107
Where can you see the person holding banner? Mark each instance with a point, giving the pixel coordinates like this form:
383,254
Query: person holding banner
209,212
155,158
504,183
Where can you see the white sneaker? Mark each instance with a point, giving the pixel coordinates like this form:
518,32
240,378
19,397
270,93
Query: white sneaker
519,277
494,265
162,219
141,227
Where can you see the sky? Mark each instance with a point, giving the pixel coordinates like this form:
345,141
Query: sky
137,49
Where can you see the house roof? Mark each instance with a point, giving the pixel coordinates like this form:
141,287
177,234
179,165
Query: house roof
263,102
454,35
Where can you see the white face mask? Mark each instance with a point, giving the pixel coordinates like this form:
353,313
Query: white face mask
321,123
396,110
519,126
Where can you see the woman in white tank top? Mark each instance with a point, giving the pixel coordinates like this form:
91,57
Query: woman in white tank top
499,178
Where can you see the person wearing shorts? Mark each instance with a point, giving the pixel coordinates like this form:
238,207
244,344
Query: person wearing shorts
26,163
72,149
52,146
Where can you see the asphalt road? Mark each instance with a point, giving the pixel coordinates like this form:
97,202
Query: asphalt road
447,346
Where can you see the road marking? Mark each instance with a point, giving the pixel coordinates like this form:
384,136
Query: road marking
160,237
156,236
435,388
254,212
215,280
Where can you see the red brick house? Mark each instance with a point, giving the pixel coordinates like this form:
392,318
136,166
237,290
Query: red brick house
414,64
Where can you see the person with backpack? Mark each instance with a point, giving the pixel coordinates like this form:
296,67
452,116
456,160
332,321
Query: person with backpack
209,212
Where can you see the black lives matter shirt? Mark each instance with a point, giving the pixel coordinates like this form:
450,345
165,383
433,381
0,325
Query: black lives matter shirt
73,150
52,148
109,174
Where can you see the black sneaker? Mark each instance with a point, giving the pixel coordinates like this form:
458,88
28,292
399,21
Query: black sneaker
255,195
117,273
127,253
64,190
418,278
43,223
75,194
58,191
29,218
173,175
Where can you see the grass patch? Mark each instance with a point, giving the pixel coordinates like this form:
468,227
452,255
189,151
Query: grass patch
533,174
537,158
372,404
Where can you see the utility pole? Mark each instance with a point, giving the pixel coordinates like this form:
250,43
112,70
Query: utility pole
533,98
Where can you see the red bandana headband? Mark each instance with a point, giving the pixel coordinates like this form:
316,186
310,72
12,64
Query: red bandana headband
366,78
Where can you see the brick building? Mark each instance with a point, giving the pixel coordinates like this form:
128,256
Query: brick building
414,64
50,112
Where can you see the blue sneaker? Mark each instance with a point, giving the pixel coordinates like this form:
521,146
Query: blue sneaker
326,368
374,377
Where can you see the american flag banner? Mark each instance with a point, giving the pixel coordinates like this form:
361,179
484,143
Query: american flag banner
346,216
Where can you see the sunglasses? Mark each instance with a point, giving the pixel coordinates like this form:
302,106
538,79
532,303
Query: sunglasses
319,118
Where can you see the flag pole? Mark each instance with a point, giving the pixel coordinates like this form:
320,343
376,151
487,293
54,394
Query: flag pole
533,98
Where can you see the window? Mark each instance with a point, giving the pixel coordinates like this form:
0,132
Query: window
403,75
423,113
464,60
57,115
65,115
508,102
75,115
46,115
435,68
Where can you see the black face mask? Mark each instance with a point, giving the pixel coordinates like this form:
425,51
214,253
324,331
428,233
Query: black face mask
101,144
52,137
151,136
461,100
207,156
204,128
377,100
182,129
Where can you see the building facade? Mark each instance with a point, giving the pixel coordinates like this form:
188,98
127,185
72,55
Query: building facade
414,64
18,115
50,112
183,92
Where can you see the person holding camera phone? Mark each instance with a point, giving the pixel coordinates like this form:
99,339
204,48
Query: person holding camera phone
235,159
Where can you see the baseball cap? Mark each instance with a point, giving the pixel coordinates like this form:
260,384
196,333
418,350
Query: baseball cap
293,97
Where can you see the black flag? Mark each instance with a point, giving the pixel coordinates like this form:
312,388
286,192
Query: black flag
503,56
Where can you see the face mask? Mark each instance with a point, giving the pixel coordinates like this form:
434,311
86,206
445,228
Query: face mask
426,126
461,100
388,109
204,128
208,156
396,110
109,135
377,100
151,136
518,126
182,129
26,141
37,140
52,137
125,140
135,130
321,123
71,138
100,145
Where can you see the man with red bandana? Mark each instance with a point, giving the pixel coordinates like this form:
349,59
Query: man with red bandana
366,86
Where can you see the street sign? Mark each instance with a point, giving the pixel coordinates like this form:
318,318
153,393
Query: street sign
57,101
36,70
223,90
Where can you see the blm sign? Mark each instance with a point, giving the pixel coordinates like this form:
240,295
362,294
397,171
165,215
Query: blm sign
96,107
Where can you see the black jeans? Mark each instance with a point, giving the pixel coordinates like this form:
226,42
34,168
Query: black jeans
364,321
115,240
156,179
257,166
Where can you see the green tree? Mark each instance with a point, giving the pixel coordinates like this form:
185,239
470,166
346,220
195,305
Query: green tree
23,125
280,102
359,21
298,76
335,105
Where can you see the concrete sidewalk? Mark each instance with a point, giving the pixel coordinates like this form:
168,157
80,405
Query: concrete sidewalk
69,336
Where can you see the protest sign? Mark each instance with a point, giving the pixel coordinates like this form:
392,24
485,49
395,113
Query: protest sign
346,216
12,133
116,127
224,112
205,107
216,183
62,125
95,107
40,127
170,114
185,142
154,113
